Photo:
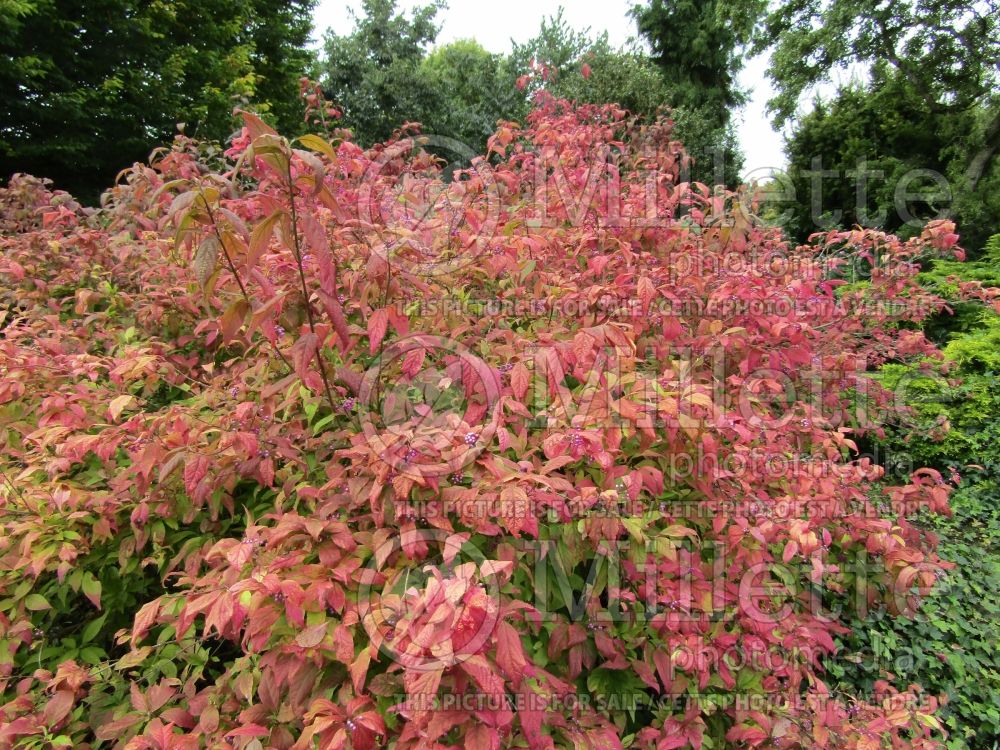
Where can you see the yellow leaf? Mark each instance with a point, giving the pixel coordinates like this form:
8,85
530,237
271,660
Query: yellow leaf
119,404
315,143
205,258
134,658
261,236
676,530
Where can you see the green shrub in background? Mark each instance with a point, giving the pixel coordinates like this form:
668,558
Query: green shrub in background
952,646
943,277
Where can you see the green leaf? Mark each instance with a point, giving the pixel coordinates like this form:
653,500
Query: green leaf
36,603
92,589
92,655
93,628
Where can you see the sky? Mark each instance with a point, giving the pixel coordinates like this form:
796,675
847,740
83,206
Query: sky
520,19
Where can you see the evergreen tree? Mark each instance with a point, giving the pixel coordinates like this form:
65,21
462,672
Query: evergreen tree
93,86
697,44
940,57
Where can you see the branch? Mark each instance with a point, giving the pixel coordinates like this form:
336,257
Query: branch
979,163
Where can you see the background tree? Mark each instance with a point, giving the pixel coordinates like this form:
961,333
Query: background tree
94,86
698,47
590,70
475,89
865,157
382,75
280,29
944,53
374,74
698,44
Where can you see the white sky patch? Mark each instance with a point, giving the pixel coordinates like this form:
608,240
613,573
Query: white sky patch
494,26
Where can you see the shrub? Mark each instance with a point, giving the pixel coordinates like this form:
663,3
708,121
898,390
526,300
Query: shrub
323,449
949,646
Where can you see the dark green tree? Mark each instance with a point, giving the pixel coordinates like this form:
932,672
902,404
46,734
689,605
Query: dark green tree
698,46
945,61
93,86
475,89
874,156
280,30
375,73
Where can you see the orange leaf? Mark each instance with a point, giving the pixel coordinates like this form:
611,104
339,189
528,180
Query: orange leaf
312,637
359,669
119,404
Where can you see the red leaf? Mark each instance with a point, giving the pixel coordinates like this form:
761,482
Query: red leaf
482,737
336,312
510,652
413,361
249,730
302,353
232,319
520,379
314,233
424,682
378,324
58,707
144,620
791,548
255,125
114,729
266,471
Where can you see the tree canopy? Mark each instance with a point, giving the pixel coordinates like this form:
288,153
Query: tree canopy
862,158
698,46
374,73
95,85
948,49
937,60
384,73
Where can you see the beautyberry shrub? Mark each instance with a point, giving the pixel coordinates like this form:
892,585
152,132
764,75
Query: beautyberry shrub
344,448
